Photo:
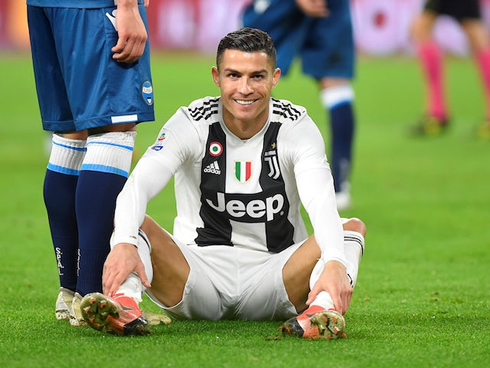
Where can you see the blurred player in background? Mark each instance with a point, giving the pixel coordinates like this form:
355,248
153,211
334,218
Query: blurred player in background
467,13
92,71
243,163
320,33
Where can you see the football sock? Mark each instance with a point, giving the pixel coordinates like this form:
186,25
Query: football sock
60,185
132,286
483,60
353,248
103,174
323,300
430,57
339,102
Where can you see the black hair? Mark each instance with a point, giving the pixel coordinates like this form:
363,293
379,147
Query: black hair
247,40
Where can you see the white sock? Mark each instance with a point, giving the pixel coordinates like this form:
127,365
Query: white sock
353,248
110,152
336,95
323,299
66,155
132,286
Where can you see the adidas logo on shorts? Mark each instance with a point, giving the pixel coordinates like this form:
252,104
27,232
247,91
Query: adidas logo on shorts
213,168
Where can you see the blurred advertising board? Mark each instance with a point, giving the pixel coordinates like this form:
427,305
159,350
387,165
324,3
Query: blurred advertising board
381,27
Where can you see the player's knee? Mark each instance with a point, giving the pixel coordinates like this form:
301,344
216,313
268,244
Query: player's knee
81,135
421,29
355,224
123,127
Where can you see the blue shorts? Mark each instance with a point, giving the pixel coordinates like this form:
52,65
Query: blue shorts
325,45
79,85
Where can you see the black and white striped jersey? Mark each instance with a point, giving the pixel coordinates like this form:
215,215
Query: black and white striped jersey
234,192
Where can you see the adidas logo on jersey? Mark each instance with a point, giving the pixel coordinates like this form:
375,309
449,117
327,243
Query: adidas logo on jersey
213,168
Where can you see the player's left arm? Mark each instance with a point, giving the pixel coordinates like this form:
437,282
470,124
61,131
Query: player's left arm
329,236
131,32
315,187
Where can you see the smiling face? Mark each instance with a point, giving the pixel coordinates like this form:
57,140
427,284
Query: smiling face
246,80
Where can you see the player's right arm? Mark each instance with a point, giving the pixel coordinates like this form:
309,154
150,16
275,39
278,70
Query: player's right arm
148,178
150,175
120,263
131,31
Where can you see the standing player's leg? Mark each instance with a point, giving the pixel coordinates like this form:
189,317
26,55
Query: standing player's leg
328,55
337,96
480,45
60,183
108,99
66,156
103,174
432,64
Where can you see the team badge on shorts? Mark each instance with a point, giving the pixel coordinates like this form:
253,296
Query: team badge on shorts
147,92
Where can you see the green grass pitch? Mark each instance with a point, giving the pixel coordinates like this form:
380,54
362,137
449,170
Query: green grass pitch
422,298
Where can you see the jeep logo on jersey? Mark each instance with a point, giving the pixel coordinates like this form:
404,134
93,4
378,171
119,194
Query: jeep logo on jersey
249,208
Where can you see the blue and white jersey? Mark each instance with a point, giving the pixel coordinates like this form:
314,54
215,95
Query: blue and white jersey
234,192
81,4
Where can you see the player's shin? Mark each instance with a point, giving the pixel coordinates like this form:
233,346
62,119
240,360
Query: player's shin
339,101
103,174
59,192
133,286
354,249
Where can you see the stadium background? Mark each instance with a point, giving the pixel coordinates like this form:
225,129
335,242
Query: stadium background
381,26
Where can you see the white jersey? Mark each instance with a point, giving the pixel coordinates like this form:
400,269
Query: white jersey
234,192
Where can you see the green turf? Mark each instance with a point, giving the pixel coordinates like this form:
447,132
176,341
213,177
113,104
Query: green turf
422,297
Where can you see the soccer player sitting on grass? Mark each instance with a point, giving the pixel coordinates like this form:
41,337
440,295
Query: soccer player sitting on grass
243,163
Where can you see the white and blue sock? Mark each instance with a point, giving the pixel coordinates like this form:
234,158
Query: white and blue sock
60,184
338,100
103,174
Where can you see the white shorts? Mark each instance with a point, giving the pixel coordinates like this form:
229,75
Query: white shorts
233,283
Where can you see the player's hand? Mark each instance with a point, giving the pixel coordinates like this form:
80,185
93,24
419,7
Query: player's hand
313,8
334,280
121,261
132,32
